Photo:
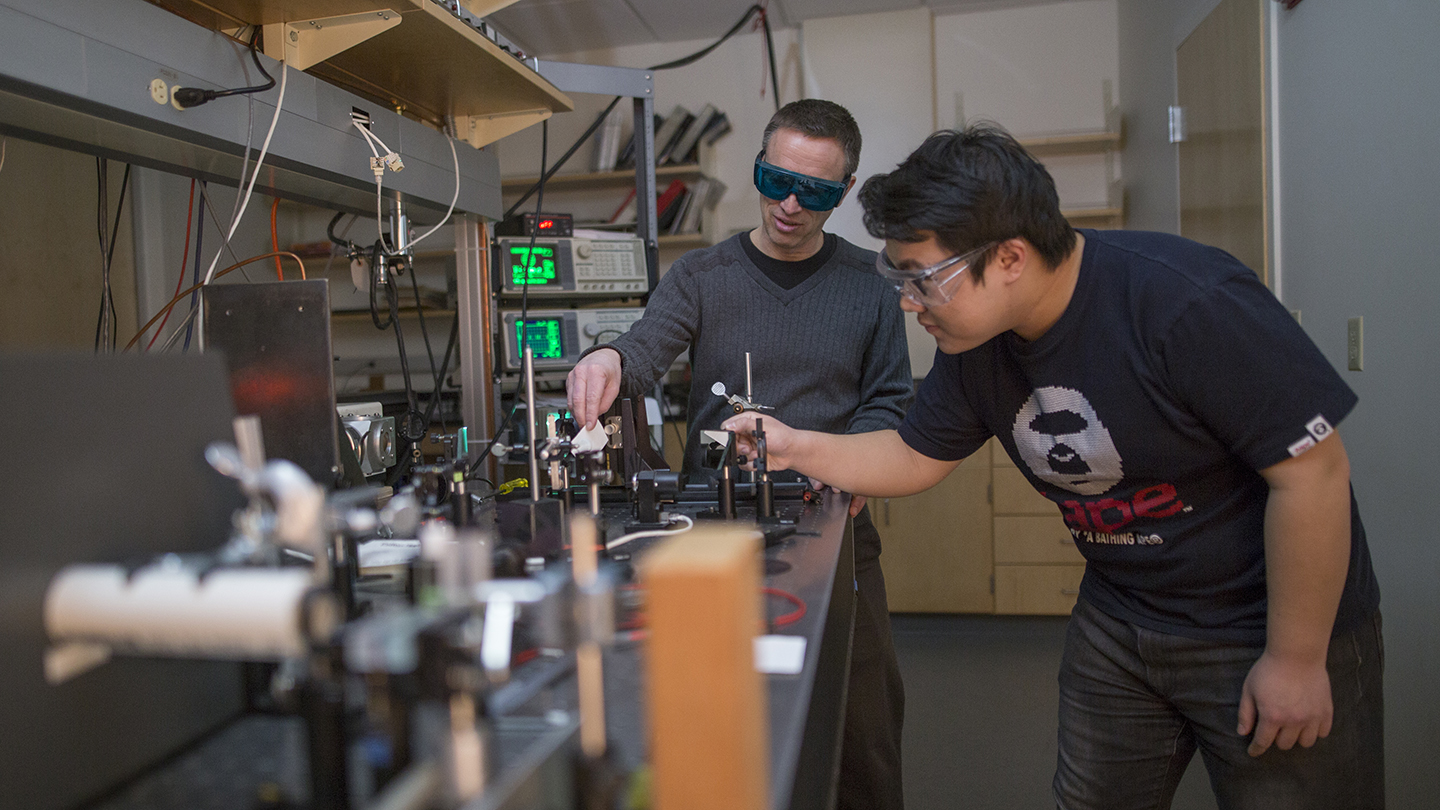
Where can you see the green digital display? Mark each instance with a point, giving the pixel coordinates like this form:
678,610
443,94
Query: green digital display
542,336
540,265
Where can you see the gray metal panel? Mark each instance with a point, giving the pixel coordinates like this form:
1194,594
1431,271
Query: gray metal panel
473,294
111,468
276,340
76,75
569,77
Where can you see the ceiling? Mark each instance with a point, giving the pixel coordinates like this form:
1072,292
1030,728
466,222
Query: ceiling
552,27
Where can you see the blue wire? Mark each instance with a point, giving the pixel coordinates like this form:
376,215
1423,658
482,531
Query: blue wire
199,237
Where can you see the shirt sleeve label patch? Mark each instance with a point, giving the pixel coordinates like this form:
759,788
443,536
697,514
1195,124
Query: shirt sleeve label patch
1319,428
1301,446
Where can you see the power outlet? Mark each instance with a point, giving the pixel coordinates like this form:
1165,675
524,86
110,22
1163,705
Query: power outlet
159,91
1355,343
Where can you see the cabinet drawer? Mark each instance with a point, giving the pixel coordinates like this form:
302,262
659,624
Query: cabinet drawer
1034,539
1015,496
1037,589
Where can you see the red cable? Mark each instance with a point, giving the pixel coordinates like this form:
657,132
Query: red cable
793,616
275,238
184,262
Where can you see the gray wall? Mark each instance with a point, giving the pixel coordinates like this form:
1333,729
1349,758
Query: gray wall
1359,198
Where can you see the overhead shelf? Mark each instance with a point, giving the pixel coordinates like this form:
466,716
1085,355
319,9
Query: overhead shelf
431,66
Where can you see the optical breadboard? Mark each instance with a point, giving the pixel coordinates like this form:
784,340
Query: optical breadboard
558,336
572,267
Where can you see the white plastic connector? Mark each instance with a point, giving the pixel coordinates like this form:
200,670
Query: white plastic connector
394,162
377,165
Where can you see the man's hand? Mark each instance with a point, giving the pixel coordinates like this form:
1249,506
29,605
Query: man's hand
1285,702
780,439
593,385
857,502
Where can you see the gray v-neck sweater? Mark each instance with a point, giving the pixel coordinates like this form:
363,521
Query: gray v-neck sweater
828,354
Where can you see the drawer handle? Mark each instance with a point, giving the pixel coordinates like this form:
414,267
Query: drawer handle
1070,591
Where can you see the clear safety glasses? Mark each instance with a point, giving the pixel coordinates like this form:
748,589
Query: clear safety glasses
929,286
813,193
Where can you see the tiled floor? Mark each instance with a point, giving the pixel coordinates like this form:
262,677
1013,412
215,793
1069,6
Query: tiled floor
980,709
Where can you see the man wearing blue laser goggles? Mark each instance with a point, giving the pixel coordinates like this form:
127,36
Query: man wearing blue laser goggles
827,338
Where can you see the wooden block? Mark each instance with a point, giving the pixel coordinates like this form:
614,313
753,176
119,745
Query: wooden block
707,708
1034,539
1037,589
1015,496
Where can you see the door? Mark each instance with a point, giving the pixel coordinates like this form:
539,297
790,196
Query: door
1220,86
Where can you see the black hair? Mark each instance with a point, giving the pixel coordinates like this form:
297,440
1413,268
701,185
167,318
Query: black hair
818,118
971,188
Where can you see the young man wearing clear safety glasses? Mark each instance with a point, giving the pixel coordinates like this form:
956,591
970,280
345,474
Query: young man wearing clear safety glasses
1184,426
828,349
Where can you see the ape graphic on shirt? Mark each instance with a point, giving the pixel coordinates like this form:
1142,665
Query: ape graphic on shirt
1062,440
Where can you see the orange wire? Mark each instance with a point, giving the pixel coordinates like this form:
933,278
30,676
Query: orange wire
184,260
180,296
275,238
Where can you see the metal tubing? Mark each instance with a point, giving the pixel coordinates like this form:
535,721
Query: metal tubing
530,418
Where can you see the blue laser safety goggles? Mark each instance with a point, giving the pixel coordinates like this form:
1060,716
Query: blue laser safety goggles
813,193
929,286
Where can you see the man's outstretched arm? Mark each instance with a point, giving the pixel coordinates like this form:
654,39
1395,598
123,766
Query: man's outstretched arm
878,464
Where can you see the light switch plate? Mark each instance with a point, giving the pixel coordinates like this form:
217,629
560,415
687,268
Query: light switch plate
1355,343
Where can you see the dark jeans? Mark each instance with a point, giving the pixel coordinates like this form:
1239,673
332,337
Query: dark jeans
1135,704
875,705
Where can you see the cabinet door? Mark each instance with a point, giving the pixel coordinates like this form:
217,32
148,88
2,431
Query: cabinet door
938,545
1037,589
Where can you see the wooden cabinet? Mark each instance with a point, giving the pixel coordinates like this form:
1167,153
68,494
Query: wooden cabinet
1037,567
937,544
981,541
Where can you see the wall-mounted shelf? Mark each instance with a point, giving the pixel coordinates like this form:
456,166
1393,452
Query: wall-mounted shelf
588,180
430,66
1096,217
683,240
1077,143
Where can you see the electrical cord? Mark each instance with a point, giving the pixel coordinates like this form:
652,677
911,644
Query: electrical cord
187,97
275,238
793,616
255,175
192,289
184,262
474,464
106,325
677,63
449,141
626,538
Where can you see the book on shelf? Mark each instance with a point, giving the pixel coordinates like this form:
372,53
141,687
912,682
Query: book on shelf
607,141
626,212
689,220
626,160
670,132
677,222
691,136
665,203
718,128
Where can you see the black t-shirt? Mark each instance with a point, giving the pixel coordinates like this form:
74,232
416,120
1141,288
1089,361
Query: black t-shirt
789,275
1144,413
